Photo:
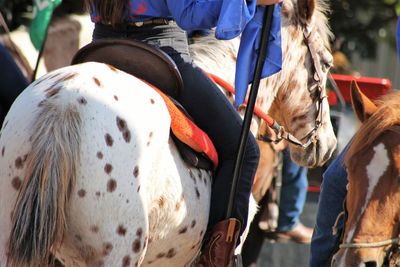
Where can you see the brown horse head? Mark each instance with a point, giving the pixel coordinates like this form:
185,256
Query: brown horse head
373,197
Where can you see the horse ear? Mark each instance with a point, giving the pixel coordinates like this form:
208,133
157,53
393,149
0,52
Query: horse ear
362,105
306,10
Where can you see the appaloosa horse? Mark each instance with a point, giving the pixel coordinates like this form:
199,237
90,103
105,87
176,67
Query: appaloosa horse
89,172
371,234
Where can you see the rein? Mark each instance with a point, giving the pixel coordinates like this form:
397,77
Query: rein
371,244
278,129
344,245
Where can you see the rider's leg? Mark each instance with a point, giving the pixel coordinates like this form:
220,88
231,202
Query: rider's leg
292,201
333,192
293,193
212,111
214,114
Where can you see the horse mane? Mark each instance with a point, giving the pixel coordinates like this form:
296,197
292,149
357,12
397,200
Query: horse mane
387,115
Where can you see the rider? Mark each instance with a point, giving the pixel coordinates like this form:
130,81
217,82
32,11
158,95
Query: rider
163,24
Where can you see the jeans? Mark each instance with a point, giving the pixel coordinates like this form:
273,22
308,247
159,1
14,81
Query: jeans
211,111
333,192
293,193
12,81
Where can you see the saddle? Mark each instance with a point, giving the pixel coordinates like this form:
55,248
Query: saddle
157,68
136,58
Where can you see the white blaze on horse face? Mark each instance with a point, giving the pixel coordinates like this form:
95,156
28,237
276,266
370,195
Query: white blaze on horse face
375,169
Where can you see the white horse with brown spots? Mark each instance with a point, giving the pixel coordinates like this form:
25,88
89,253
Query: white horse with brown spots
89,173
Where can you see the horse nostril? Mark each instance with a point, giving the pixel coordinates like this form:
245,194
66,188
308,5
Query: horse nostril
371,264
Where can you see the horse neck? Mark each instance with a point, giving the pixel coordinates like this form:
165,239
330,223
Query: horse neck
216,56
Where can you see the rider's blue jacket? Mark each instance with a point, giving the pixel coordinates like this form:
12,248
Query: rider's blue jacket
230,17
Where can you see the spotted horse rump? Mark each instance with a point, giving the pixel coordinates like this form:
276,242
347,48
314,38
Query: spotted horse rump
76,143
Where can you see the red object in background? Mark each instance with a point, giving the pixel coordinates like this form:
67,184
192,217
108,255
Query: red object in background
332,98
372,87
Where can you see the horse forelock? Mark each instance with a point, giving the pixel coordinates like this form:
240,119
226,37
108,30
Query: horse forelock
387,115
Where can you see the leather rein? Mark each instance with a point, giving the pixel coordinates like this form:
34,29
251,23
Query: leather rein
281,133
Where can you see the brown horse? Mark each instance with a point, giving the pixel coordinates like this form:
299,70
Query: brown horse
373,197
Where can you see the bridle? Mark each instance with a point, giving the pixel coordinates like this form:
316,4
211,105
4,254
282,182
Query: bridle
391,253
344,245
377,244
281,133
311,137
359,245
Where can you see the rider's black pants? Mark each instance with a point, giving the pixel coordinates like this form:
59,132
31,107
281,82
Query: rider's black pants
209,108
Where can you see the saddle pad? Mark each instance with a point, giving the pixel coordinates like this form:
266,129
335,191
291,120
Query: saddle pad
188,132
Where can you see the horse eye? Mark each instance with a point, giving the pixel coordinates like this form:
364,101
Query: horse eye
326,61
326,65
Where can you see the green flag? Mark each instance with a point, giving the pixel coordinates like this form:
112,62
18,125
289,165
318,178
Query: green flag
42,12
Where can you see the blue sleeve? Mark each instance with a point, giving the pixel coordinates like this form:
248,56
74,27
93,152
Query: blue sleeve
195,14
250,47
229,16
233,18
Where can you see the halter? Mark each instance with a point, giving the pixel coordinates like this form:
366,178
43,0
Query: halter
311,136
281,133
378,244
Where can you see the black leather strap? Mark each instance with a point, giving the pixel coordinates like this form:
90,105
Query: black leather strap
150,22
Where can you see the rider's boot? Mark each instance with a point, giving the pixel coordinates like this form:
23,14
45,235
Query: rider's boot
220,248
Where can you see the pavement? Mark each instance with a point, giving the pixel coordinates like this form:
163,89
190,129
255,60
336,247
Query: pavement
290,254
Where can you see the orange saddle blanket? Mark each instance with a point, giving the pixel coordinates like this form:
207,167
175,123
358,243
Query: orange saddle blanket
188,132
